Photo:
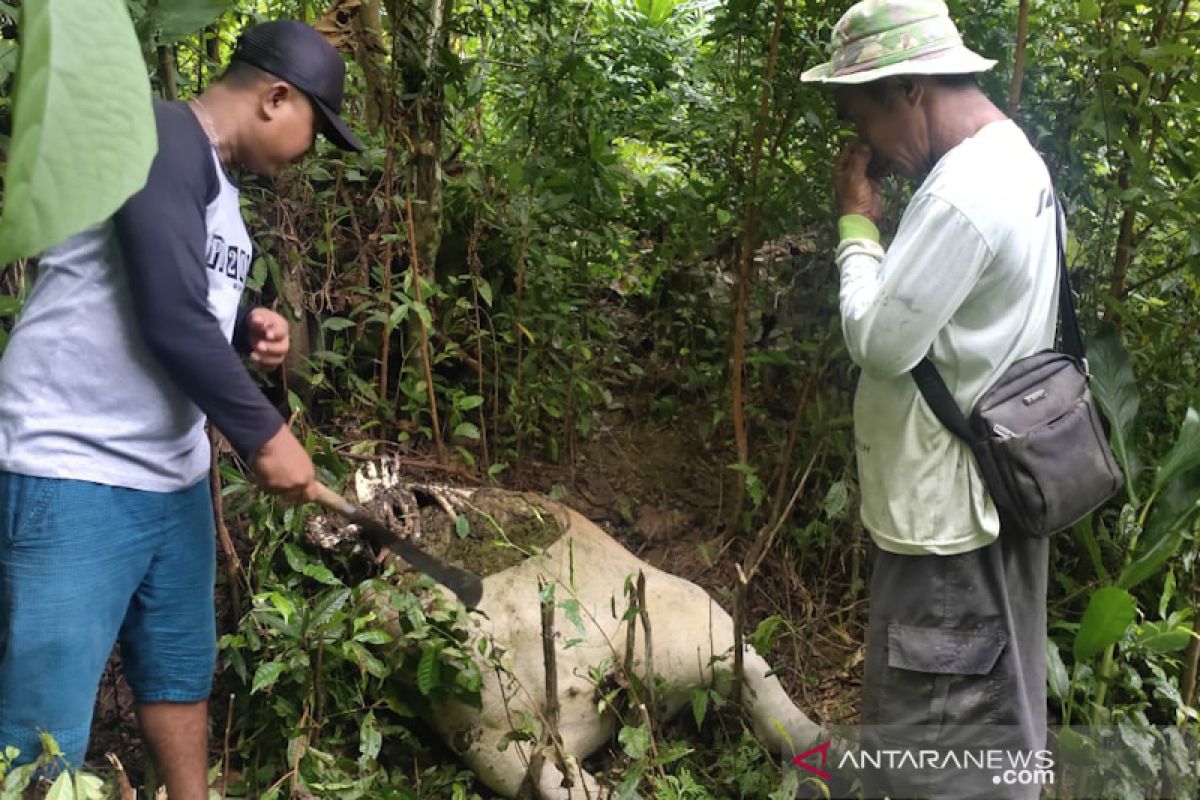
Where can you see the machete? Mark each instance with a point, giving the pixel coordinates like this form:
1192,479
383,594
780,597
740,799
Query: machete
467,585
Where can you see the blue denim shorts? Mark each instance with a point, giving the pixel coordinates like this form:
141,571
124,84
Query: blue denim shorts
81,566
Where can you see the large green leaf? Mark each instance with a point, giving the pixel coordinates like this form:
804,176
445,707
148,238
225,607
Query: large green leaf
1162,637
1057,680
1151,559
1175,509
1115,389
428,671
83,133
89,787
370,739
1185,455
172,20
62,789
1109,613
635,741
657,11
266,675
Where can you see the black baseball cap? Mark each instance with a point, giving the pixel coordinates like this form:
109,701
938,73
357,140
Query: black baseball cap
296,53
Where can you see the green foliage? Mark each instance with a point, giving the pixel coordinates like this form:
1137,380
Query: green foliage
595,175
337,669
1110,611
1173,495
657,11
84,131
62,782
164,22
1115,390
1138,681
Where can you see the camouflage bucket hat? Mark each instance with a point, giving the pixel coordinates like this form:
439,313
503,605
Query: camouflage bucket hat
878,38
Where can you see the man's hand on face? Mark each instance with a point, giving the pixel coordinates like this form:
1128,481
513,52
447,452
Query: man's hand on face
853,191
268,332
282,467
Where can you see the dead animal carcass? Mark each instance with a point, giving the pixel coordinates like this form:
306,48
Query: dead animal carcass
544,543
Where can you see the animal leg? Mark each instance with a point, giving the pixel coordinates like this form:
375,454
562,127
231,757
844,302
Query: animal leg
777,721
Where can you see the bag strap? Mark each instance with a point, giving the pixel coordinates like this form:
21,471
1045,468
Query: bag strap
934,390
929,380
1071,338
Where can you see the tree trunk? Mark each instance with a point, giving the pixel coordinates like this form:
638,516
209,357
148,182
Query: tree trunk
1123,258
426,358
420,30
296,371
1014,91
1192,659
212,44
166,72
1124,252
750,230
369,52
357,28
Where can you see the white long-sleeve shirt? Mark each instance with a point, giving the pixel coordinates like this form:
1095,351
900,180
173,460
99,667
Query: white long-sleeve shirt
970,280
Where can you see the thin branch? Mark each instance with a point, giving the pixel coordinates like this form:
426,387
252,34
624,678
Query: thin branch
754,558
386,224
739,617
425,356
752,221
630,631
1192,657
233,564
762,544
225,745
549,661
1014,91
1172,266
644,615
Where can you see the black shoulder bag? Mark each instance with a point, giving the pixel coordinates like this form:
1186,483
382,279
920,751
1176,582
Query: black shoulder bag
1036,433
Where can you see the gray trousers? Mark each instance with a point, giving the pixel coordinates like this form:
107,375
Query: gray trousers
956,660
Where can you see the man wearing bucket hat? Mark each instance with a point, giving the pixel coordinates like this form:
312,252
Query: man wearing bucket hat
122,350
956,637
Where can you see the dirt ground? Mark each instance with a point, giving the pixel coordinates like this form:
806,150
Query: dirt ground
660,491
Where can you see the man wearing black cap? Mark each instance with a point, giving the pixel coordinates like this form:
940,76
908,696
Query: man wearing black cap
123,349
